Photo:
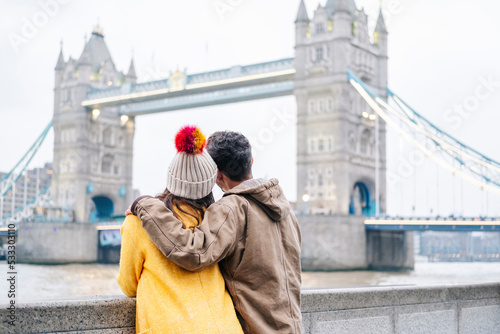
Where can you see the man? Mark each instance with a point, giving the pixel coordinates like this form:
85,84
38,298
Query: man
251,232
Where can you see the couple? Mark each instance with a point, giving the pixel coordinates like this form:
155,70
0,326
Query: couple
196,266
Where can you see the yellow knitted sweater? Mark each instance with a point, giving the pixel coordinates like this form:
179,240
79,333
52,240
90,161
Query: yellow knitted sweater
169,298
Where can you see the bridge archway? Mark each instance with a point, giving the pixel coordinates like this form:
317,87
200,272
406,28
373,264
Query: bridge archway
361,202
103,209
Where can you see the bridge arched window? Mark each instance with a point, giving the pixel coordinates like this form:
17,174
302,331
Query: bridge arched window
72,162
312,107
320,106
321,145
319,53
329,172
107,162
311,172
352,141
365,141
107,136
320,28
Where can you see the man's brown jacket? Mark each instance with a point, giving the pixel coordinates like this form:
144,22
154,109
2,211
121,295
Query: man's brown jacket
254,236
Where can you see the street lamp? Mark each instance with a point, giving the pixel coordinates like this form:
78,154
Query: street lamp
305,199
124,119
95,114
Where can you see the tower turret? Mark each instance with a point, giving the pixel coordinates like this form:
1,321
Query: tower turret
131,75
301,35
302,13
380,34
380,42
60,60
59,69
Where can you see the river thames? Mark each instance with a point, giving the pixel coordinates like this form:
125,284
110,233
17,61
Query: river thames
50,282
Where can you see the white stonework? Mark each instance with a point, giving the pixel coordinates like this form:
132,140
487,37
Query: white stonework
335,136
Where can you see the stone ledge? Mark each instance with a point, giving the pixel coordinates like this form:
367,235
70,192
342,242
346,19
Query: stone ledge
321,310
353,298
82,314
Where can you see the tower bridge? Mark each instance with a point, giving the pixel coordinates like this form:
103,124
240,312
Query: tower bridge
339,79
339,169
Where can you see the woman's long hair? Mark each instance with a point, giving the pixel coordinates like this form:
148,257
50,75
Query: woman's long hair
199,205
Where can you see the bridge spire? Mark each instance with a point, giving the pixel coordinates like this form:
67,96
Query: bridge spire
60,61
131,76
98,30
381,23
302,14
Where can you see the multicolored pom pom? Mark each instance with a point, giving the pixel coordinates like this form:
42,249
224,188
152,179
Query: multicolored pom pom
190,140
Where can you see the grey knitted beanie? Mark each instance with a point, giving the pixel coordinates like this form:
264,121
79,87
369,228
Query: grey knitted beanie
192,172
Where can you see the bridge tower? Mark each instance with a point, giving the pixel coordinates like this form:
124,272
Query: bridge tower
92,148
336,133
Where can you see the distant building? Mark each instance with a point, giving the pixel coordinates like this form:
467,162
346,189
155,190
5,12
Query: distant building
34,182
460,246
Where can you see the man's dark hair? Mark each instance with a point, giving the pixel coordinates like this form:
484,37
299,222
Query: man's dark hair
232,154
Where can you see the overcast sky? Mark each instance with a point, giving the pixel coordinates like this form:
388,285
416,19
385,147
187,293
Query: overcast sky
440,52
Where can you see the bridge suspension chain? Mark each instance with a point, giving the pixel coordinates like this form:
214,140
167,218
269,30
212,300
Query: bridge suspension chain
41,200
446,150
9,180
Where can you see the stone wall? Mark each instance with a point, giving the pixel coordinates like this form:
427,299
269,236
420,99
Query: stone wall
56,243
464,309
331,242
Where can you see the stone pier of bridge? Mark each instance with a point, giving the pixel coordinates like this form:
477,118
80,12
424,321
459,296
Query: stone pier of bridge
341,242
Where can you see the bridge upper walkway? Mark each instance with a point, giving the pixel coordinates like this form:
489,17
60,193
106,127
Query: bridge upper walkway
181,91
450,224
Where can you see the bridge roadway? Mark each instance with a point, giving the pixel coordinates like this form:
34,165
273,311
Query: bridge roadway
450,224
411,224
394,224
181,91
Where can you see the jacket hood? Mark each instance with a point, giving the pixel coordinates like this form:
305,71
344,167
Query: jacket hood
267,194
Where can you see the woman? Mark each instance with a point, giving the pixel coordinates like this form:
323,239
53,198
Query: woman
169,298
